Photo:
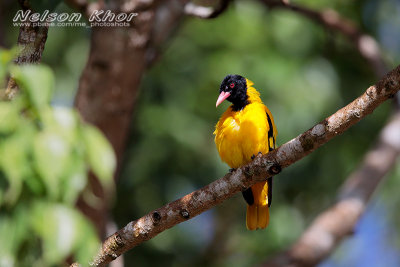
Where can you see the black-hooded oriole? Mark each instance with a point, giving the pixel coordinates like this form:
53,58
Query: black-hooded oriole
245,129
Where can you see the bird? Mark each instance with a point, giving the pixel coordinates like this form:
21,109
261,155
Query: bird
243,131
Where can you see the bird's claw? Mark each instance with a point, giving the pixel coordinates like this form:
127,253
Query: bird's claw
254,156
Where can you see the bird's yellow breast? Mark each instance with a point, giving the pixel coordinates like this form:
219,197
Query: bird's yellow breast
241,134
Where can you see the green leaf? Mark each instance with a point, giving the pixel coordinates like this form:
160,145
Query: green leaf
37,81
51,155
59,227
6,57
74,180
9,116
14,231
88,244
66,118
6,242
100,154
64,121
14,162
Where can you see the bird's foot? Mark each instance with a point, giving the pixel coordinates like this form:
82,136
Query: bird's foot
232,170
254,156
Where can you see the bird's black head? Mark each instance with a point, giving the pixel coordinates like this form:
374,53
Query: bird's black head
234,89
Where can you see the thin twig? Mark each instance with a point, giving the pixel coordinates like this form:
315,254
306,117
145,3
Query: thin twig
203,12
261,168
330,227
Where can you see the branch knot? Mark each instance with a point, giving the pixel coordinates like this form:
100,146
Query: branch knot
275,169
156,217
185,214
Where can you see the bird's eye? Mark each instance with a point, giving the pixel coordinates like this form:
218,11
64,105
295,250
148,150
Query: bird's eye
232,85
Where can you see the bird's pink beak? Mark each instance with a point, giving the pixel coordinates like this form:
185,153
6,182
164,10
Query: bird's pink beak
222,96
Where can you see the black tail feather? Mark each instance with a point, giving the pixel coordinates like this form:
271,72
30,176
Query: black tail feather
248,196
269,181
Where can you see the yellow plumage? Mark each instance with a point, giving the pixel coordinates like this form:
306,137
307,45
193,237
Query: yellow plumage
241,134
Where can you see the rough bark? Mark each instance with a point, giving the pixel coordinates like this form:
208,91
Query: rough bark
109,85
261,168
321,238
331,226
31,41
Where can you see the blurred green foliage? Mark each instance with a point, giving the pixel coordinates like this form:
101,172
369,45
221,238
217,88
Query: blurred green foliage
303,72
45,155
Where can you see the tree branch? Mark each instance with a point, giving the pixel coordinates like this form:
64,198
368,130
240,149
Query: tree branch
203,12
261,168
118,58
334,224
329,228
365,44
31,41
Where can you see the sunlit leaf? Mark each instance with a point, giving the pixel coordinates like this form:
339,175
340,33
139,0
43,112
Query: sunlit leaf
14,162
6,242
64,231
51,154
59,226
100,154
75,179
66,118
37,81
6,57
13,233
9,116
61,119
88,243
